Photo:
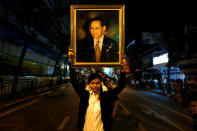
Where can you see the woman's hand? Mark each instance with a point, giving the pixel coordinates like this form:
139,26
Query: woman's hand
70,54
125,67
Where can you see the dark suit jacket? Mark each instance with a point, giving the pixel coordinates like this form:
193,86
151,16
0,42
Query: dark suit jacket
86,53
106,99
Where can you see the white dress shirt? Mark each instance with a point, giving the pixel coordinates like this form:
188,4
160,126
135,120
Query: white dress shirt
93,121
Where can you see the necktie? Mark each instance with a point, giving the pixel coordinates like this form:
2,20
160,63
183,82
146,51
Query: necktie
97,52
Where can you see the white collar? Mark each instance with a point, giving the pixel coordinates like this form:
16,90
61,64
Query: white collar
101,39
100,42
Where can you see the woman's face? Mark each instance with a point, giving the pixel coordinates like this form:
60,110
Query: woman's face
95,85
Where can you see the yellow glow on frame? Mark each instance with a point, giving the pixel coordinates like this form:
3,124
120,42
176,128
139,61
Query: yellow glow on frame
97,9
75,35
121,23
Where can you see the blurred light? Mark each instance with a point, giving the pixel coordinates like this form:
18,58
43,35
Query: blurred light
50,70
62,66
132,43
107,71
160,59
30,76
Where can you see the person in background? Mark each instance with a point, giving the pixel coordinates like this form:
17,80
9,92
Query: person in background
83,80
185,93
1,83
1,86
110,86
193,101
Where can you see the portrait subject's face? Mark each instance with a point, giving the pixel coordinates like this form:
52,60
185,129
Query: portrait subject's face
95,85
96,29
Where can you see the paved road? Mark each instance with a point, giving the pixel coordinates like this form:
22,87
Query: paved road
137,110
155,112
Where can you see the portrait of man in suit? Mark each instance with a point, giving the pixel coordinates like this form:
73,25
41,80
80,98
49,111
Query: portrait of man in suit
97,47
97,35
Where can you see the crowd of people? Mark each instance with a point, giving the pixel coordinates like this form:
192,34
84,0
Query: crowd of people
189,96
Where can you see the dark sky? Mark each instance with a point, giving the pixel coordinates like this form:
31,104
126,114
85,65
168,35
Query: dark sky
161,16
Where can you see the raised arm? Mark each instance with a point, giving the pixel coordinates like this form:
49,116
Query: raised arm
79,89
122,81
121,84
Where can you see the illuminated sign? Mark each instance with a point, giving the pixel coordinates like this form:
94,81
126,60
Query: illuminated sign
160,59
172,70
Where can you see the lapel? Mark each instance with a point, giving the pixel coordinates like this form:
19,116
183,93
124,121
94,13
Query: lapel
104,48
92,52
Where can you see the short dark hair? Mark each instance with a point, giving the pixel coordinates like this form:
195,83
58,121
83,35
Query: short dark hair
94,76
105,76
88,22
83,76
103,21
99,72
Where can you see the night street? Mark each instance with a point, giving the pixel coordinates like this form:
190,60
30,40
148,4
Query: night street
52,50
137,110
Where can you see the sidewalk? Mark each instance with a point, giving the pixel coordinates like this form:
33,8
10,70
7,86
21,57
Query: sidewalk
7,104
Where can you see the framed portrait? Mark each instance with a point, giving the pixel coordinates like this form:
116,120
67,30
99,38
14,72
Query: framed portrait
97,35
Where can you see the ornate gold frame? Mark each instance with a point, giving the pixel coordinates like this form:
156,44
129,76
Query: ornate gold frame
121,26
